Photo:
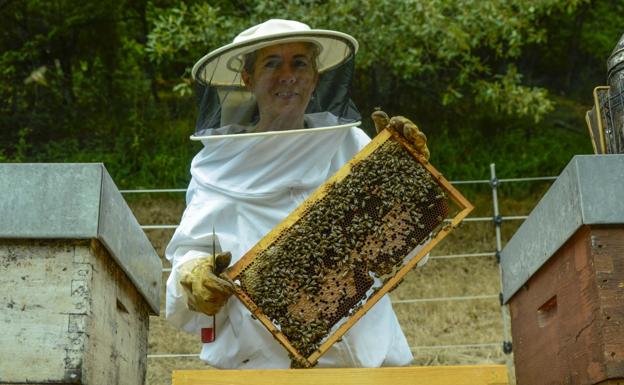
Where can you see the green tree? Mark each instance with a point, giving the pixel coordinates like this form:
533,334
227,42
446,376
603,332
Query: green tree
454,56
66,65
110,80
574,61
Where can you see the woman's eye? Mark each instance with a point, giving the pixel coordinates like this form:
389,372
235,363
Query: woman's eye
271,64
301,63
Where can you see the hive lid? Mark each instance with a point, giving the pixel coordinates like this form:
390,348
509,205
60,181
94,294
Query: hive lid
78,201
589,191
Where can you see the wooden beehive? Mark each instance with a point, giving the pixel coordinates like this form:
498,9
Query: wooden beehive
563,277
313,276
79,279
568,324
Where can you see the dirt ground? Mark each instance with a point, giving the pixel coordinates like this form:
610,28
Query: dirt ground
430,326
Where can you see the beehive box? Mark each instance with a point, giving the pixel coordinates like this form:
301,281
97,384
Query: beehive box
563,277
78,279
313,276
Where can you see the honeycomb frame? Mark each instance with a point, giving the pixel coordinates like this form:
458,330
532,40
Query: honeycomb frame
393,276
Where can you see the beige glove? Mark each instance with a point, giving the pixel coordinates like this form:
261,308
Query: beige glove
207,293
405,127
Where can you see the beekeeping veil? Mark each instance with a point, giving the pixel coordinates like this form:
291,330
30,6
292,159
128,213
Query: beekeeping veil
226,107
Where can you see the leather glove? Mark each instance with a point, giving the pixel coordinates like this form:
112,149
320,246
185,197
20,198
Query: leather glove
207,293
405,127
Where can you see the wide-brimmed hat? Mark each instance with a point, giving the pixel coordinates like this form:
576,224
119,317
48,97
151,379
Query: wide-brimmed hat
223,65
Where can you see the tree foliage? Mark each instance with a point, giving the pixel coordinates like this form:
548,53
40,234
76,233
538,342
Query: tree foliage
74,75
457,55
110,80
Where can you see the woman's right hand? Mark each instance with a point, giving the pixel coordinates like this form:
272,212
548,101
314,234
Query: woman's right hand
206,291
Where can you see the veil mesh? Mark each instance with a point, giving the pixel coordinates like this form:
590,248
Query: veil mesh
231,108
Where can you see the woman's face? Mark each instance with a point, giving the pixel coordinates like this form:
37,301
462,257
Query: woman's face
283,79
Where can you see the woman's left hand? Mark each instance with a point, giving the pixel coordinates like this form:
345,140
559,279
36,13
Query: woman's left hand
405,127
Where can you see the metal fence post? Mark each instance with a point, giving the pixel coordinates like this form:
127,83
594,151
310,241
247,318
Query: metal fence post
498,221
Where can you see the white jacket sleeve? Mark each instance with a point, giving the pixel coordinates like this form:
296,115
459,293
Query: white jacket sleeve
193,239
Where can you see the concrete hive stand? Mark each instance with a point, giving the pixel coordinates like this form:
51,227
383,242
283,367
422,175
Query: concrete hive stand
78,278
563,277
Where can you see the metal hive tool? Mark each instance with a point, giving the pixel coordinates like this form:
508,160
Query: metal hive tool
324,266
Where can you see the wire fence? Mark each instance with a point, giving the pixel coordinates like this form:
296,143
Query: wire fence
496,219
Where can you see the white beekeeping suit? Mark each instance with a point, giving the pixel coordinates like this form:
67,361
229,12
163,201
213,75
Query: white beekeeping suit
242,186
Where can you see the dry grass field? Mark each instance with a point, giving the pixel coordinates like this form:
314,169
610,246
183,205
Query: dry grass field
432,324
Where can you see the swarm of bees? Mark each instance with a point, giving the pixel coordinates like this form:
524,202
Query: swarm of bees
325,266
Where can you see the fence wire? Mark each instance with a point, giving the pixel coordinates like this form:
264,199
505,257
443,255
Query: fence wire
496,219
413,348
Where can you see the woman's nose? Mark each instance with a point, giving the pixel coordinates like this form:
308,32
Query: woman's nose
287,75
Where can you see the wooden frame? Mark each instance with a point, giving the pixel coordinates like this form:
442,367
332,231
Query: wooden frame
413,375
599,116
234,271
592,126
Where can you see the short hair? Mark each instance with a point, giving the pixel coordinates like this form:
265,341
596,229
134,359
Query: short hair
249,59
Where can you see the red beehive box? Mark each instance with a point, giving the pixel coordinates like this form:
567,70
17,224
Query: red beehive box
563,278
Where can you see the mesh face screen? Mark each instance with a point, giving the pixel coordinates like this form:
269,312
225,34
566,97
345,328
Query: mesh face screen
320,270
606,117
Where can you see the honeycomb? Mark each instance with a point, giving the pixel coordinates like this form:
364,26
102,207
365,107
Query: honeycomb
345,246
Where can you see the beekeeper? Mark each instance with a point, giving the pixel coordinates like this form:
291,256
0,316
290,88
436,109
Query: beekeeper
276,121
